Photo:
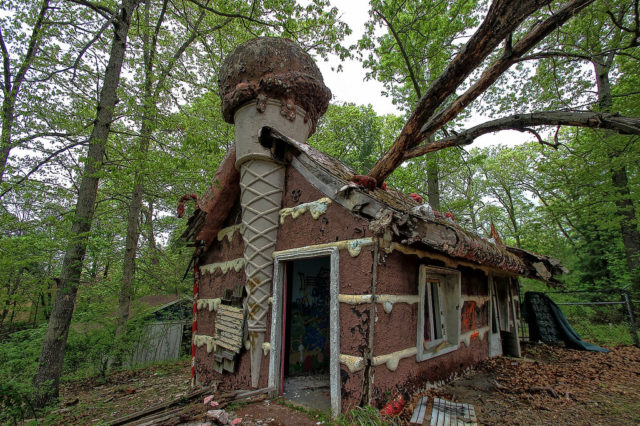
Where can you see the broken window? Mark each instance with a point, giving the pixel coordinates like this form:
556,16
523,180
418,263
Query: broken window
438,311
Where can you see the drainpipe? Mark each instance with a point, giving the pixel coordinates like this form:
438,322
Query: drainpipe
266,82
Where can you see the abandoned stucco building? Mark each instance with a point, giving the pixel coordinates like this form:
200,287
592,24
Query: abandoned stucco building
299,269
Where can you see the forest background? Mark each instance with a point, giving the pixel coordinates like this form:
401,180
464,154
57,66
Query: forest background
110,113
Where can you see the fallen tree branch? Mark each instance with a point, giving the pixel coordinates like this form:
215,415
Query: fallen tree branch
617,123
493,30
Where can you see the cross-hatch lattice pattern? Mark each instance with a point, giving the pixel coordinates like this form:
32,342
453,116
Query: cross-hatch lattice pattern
261,197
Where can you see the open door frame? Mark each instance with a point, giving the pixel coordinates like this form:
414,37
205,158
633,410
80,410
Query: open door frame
279,299
495,339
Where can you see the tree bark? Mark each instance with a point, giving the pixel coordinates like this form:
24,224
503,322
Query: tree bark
501,20
433,183
151,237
47,377
619,179
522,122
151,93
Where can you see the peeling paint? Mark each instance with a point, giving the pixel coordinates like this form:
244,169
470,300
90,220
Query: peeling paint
471,334
201,340
386,300
266,348
229,232
211,304
448,261
355,299
353,363
316,208
354,247
392,359
235,264
480,300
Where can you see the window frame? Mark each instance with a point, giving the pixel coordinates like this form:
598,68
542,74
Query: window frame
447,282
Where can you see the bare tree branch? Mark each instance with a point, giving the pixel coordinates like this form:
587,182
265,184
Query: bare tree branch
403,52
41,163
100,9
490,75
230,15
502,19
523,122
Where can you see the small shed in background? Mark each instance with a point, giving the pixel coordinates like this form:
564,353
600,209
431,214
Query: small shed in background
167,334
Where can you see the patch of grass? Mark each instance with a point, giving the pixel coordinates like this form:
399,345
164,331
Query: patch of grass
365,416
319,415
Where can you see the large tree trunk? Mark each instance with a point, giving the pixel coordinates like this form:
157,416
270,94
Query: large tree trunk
151,93
501,20
619,179
47,377
151,237
433,183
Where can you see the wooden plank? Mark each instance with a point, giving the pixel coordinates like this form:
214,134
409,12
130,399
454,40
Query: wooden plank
230,346
158,407
228,329
230,311
229,338
420,411
228,335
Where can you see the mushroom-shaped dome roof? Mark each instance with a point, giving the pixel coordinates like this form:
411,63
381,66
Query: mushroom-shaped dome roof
276,68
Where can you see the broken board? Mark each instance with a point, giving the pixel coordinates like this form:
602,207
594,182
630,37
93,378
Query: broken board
446,413
420,411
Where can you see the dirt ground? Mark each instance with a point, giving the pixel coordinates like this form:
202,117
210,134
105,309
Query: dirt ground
549,385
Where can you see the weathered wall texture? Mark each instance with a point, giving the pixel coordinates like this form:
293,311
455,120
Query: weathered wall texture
396,331
393,331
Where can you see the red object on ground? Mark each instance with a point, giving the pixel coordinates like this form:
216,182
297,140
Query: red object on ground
383,186
416,197
450,216
366,181
394,407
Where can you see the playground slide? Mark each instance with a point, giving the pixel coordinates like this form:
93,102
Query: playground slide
548,324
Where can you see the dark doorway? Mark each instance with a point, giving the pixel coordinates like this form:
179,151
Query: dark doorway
306,349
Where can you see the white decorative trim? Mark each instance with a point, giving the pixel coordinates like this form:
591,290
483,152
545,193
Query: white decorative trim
386,300
480,332
316,208
392,359
201,340
211,304
355,299
229,232
353,246
235,264
266,347
353,363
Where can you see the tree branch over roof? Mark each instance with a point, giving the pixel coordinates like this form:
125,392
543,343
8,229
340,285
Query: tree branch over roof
501,20
523,122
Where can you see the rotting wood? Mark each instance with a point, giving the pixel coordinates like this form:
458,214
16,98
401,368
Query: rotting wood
501,20
623,125
223,400
158,407
217,202
419,412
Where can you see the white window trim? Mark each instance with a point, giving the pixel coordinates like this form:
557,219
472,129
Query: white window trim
449,312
